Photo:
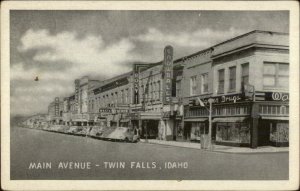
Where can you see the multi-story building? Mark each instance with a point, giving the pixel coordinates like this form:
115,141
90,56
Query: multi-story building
110,101
76,107
196,83
156,110
250,84
247,78
55,111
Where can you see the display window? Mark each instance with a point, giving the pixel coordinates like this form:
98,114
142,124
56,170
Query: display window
233,132
279,132
198,129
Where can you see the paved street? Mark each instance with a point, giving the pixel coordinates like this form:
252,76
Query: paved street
29,146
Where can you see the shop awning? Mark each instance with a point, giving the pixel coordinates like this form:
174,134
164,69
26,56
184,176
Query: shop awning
196,120
229,119
124,120
275,118
150,115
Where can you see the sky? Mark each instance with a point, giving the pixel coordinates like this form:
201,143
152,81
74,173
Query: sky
61,46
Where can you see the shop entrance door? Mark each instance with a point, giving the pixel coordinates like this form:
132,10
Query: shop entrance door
264,133
187,131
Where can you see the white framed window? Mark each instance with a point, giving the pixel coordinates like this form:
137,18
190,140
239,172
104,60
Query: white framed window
276,75
245,73
221,81
193,85
232,78
204,83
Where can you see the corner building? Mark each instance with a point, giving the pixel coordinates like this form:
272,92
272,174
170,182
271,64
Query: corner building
249,83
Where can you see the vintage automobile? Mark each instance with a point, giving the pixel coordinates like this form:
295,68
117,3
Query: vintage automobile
123,134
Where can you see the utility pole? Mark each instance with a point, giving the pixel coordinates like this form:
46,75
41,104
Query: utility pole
210,100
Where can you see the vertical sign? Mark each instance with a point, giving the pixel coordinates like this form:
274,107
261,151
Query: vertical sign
56,106
136,84
77,94
167,75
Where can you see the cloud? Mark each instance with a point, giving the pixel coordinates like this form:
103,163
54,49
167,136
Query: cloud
88,55
202,38
79,56
29,96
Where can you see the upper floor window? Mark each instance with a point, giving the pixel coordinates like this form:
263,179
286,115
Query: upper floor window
204,83
159,89
193,85
276,75
232,78
245,73
178,88
221,81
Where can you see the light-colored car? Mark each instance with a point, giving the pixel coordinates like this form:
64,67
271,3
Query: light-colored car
123,134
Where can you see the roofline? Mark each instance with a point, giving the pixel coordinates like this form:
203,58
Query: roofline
251,32
226,41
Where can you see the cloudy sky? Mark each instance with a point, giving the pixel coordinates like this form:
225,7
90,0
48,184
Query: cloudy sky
60,46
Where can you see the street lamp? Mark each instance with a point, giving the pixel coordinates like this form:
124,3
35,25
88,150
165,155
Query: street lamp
210,101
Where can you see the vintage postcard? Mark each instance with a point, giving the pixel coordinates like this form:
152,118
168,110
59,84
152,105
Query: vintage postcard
144,95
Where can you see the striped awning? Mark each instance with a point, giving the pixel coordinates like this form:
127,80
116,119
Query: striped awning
280,118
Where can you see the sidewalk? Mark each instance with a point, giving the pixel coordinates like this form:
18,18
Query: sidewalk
218,148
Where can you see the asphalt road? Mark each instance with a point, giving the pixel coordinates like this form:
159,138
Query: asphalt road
30,147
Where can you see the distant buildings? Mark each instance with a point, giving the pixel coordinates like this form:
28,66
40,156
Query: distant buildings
247,76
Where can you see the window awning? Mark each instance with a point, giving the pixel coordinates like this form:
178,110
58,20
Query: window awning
196,119
229,119
275,118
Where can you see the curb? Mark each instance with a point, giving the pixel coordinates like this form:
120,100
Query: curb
215,151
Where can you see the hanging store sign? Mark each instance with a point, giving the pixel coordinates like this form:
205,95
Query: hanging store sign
136,82
136,85
77,84
167,74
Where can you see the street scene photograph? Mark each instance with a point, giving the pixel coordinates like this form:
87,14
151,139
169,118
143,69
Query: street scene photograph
149,95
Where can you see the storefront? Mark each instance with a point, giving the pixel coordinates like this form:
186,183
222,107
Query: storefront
150,125
194,128
272,123
232,131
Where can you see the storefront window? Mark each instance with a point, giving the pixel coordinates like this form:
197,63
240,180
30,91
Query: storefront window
198,129
279,132
233,132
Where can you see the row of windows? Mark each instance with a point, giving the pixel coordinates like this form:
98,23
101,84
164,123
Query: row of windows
232,78
275,75
203,84
219,111
152,91
113,98
274,110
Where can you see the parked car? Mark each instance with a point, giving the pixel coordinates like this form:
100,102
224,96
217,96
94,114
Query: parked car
123,134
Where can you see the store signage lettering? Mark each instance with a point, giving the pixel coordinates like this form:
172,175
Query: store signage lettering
105,110
222,99
136,86
276,96
167,74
